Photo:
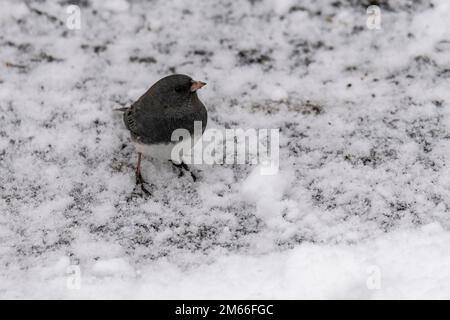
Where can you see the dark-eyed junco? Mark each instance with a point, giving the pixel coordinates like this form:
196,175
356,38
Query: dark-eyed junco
171,103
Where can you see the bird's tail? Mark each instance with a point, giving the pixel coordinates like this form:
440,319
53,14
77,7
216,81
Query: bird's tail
121,109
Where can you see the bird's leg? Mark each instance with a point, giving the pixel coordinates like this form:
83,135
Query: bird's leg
179,167
139,180
184,166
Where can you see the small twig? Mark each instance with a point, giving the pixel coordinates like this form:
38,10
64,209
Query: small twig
45,14
13,65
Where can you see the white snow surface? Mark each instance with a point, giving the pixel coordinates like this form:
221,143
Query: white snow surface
361,197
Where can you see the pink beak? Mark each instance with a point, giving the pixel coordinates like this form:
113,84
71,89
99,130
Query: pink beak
197,85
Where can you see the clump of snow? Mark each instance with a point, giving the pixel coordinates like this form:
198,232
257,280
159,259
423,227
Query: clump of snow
266,191
364,136
112,5
112,267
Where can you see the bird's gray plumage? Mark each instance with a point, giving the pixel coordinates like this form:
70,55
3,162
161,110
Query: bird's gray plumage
168,105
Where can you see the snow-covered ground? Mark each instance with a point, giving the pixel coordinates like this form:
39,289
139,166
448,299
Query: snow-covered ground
359,209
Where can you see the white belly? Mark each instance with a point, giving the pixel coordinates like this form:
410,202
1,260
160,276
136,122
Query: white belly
166,151
175,151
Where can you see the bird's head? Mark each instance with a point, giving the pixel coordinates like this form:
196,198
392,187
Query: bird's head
178,85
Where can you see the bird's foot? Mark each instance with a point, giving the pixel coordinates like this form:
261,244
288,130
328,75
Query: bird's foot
182,167
140,182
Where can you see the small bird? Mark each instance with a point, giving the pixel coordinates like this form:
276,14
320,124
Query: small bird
171,103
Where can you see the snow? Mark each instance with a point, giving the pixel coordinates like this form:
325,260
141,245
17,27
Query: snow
404,261
359,207
266,191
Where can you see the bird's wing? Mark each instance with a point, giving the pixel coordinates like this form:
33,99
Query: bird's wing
129,118
151,122
142,119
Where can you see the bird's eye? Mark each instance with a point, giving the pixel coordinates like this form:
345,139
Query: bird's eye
179,88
